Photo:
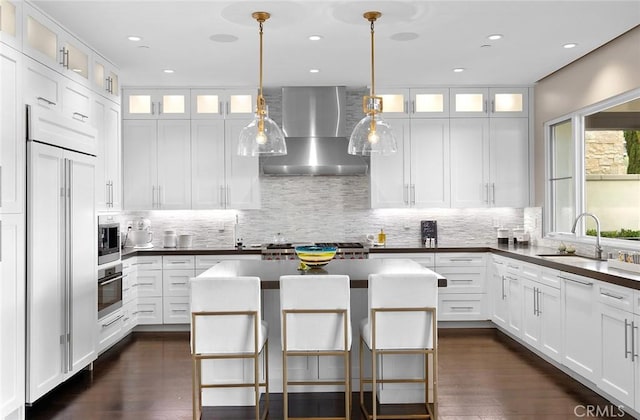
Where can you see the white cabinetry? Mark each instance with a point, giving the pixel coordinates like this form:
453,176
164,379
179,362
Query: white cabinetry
497,292
418,174
506,294
156,104
493,102
464,297
222,103
48,43
542,308
219,177
580,319
415,103
176,272
149,285
129,295
106,80
489,162
12,316
110,330
619,342
11,23
106,116
12,143
156,160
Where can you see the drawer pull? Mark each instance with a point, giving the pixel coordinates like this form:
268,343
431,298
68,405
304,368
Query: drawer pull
183,282
460,259
461,280
144,312
40,98
515,267
612,296
144,284
113,321
462,308
179,310
586,283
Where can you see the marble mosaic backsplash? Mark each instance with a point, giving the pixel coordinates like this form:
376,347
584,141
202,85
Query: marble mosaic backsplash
323,209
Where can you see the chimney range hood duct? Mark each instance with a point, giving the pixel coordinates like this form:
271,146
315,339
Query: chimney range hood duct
314,124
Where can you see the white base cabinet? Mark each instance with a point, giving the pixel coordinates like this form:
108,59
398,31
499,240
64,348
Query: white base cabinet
464,298
619,343
110,330
579,317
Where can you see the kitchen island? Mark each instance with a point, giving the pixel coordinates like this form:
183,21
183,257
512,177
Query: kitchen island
313,368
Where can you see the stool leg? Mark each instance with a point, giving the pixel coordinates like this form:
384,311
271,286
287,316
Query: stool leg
265,365
374,389
197,390
285,396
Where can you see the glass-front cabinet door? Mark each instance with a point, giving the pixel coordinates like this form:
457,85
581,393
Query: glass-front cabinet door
105,79
223,103
156,104
493,102
11,23
395,102
429,102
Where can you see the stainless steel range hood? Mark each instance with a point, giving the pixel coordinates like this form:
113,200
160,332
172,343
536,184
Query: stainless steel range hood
314,124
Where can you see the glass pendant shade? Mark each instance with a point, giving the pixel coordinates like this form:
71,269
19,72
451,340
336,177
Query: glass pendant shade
266,142
372,136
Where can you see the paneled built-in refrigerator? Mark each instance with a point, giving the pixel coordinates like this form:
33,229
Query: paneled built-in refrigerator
61,250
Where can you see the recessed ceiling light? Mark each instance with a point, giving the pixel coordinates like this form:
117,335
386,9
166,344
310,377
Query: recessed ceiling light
314,71
168,71
404,36
570,45
134,38
223,38
315,37
458,70
494,37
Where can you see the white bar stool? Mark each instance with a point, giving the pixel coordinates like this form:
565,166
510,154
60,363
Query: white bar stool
225,324
401,320
316,321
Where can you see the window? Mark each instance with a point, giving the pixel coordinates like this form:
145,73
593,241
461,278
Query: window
594,166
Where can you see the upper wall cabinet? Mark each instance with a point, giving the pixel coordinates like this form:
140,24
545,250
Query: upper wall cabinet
168,104
105,79
222,103
49,44
493,102
415,103
11,23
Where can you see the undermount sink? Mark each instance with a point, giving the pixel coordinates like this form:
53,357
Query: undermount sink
568,258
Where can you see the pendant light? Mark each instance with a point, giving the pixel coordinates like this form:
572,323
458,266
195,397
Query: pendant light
262,137
372,135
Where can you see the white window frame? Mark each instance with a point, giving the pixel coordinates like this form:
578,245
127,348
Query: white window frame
577,125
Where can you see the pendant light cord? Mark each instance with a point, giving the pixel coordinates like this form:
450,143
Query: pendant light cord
373,83
260,22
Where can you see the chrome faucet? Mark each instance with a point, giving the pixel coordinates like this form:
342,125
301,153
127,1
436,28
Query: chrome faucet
598,247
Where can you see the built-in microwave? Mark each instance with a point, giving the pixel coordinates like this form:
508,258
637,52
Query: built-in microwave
108,239
109,290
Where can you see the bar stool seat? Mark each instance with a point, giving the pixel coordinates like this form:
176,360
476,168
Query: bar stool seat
401,321
316,321
225,324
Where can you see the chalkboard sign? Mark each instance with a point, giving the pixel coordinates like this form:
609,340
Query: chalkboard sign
429,230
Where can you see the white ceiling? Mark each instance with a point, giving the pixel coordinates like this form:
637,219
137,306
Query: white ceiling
450,34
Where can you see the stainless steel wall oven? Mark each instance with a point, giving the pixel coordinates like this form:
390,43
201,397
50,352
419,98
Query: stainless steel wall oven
109,290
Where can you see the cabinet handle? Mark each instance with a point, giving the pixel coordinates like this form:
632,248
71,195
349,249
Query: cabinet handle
493,106
108,84
226,196
503,295
484,107
111,194
64,56
40,98
634,328
413,194
539,296
153,196
159,108
461,280
486,192
493,193
180,282
586,283
535,301
153,108
413,107
179,310
228,110
116,319
160,200
222,203
514,267
82,116
220,108
462,259
612,296
626,339
462,308
144,312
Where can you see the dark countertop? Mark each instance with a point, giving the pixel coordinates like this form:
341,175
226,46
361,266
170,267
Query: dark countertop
598,270
357,270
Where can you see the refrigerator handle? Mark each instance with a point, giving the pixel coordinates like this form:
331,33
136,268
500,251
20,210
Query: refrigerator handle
70,272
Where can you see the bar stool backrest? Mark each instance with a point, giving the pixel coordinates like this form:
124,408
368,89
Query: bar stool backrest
402,330
228,333
317,331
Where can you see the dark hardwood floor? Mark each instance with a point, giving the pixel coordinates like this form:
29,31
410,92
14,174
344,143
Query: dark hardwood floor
483,375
